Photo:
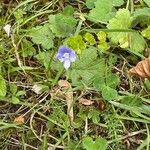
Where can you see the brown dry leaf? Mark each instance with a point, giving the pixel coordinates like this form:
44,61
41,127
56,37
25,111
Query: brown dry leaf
142,69
66,86
85,102
101,105
19,120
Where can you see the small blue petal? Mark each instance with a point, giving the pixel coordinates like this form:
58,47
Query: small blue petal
67,64
66,56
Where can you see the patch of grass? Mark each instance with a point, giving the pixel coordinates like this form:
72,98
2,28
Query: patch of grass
97,105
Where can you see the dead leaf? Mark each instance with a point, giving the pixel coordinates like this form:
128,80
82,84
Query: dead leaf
142,69
19,120
101,105
85,102
66,86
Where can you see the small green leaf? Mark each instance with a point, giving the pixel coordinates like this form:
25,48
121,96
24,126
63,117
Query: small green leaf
42,35
88,143
90,38
3,87
147,2
15,100
101,36
141,15
20,93
109,93
87,68
68,11
102,11
13,88
100,144
63,24
112,80
90,3
122,20
76,43
147,84
102,45
117,2
137,42
146,33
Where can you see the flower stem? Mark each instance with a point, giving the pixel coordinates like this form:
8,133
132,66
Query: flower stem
57,77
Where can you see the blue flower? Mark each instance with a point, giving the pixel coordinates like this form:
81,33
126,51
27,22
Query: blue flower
66,56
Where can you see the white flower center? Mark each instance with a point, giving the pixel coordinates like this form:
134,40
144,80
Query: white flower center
66,55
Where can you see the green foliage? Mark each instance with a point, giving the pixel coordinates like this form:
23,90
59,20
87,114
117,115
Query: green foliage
95,116
102,41
90,3
102,11
90,38
137,42
44,58
76,43
117,2
63,24
147,84
3,88
141,15
42,35
27,48
15,94
98,144
109,93
123,20
19,15
87,67
146,32
147,2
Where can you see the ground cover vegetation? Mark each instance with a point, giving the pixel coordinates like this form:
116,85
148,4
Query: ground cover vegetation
74,74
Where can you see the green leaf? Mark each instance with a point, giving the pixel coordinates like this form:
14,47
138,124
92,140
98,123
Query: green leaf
117,2
133,40
88,143
90,38
76,43
102,11
87,68
147,2
42,35
109,93
146,33
141,15
137,42
13,88
112,80
27,48
101,36
94,115
122,20
102,45
68,11
63,25
18,14
147,84
99,83
3,88
20,93
44,58
15,100
90,3
100,144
